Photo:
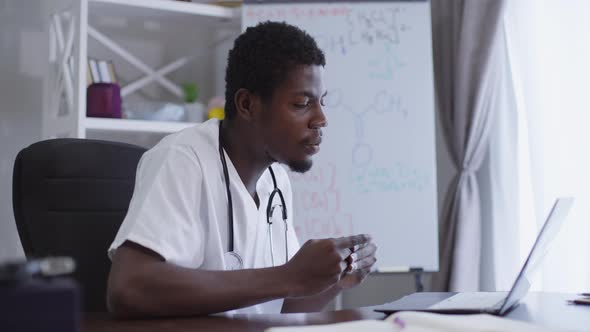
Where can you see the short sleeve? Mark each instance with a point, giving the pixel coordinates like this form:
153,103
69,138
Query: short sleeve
163,215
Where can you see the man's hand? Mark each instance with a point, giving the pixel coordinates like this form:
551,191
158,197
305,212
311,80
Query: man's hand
360,263
320,264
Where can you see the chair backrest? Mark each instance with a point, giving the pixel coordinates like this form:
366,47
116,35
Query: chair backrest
69,198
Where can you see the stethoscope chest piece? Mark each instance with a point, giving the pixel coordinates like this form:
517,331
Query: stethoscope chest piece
233,261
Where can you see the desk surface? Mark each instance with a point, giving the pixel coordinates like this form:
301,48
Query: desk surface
547,309
101,322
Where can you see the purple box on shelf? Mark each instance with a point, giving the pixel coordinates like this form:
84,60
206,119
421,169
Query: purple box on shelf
103,100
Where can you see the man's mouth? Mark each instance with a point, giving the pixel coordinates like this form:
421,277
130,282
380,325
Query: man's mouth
314,141
312,146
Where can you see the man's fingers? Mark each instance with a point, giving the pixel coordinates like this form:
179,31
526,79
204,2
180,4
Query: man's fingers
361,264
361,274
344,266
348,242
364,272
346,246
364,263
367,251
345,254
349,260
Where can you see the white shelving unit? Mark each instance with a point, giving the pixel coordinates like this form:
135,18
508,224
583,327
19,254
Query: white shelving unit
141,126
162,8
138,35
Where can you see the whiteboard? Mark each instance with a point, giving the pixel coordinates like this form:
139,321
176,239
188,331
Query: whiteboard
376,171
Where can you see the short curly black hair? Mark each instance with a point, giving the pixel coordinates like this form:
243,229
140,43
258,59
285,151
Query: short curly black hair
262,56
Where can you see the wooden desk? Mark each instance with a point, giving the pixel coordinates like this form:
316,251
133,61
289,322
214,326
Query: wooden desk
547,309
249,323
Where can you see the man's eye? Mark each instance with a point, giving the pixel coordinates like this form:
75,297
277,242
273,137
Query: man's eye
301,105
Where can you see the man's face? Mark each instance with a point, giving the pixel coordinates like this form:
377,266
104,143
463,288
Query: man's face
292,119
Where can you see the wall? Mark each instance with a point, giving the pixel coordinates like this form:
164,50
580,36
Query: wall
21,85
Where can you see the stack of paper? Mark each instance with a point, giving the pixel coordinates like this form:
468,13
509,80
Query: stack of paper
424,322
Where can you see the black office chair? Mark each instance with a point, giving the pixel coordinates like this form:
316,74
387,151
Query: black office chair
69,198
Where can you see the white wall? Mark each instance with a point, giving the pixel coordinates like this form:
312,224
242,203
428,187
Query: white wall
21,86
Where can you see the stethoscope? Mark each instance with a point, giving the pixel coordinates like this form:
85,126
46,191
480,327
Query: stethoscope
232,259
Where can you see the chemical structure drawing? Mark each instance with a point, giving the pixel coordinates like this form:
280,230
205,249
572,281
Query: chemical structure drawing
365,28
383,102
375,26
335,44
385,64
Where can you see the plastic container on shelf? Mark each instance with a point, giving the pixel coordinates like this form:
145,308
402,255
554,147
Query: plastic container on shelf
153,110
195,112
103,100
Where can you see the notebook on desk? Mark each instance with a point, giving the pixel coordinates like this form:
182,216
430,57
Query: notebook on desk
423,322
498,303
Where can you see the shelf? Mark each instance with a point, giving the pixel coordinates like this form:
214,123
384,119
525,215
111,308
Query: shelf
126,125
120,15
155,8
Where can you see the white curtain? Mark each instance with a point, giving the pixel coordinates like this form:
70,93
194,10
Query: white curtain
543,150
468,76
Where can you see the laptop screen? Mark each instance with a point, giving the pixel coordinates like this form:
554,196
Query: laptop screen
546,235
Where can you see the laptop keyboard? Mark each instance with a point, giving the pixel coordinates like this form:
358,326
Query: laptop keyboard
475,300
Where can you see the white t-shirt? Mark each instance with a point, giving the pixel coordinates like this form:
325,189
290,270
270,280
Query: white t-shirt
179,208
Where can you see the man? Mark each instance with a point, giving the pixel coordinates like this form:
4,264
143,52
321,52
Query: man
197,239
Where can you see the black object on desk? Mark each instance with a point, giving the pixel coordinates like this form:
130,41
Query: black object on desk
19,271
40,305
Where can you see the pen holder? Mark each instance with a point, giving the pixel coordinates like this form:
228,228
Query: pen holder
103,100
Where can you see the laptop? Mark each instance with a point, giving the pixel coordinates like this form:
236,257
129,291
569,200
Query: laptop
495,303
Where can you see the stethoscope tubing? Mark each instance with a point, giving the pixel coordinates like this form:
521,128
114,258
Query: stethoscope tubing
269,208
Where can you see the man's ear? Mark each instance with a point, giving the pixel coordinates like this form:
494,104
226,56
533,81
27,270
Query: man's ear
247,104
